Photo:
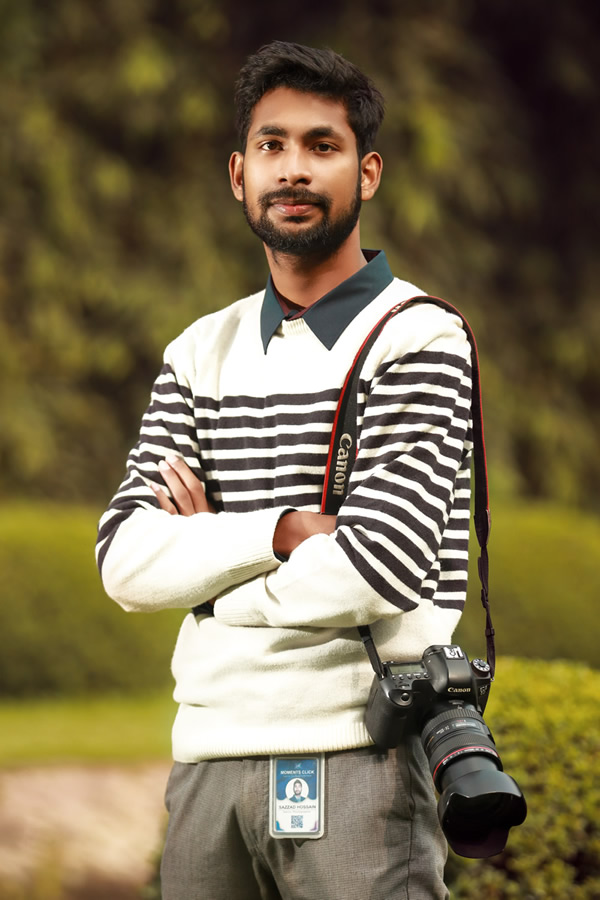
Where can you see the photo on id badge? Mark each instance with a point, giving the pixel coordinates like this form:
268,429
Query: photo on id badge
296,796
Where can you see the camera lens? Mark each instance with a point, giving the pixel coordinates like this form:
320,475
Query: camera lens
452,733
478,802
478,809
493,804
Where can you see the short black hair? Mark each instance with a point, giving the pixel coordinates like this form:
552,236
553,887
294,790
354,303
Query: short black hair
313,71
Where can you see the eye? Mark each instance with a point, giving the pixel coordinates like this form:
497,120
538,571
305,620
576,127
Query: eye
324,147
270,145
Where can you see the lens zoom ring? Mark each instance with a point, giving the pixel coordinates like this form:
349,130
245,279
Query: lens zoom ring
476,724
465,742
444,739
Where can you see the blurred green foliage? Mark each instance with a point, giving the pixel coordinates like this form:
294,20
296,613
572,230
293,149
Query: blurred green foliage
544,584
544,717
61,635
118,226
113,728
59,632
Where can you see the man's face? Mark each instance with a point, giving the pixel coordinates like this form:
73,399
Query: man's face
297,788
300,177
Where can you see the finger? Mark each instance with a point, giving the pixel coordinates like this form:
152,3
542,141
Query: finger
179,493
163,500
191,482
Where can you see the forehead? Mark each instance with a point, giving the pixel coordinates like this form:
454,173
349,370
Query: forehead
299,112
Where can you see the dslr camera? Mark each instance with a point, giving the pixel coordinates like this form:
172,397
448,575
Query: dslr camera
443,696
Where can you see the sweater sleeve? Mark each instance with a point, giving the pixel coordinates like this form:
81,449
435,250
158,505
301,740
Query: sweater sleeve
150,560
402,532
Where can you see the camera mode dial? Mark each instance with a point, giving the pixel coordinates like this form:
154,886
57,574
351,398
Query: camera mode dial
480,666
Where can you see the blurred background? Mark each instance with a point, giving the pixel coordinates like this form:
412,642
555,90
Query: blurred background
116,231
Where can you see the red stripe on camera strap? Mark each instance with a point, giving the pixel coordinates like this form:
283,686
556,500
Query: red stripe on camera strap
345,424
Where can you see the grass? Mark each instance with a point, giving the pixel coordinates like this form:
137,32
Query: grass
111,729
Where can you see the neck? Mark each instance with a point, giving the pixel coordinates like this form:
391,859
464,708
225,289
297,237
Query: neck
304,280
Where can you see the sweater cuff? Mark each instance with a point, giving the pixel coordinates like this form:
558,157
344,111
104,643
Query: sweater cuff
256,537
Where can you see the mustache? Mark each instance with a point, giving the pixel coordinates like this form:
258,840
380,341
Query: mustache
298,196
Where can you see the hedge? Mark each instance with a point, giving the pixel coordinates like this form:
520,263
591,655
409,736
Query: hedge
544,717
544,584
59,632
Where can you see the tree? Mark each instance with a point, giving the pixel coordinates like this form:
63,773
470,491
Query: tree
115,126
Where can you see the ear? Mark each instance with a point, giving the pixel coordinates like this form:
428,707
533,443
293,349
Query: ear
371,166
236,174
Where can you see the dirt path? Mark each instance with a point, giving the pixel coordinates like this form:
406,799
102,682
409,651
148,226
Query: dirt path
83,822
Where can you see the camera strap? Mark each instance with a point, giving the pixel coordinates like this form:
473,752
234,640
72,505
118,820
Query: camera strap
345,427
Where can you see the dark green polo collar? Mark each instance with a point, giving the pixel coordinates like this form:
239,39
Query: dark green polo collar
332,313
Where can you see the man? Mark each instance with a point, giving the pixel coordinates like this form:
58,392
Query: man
219,513
297,793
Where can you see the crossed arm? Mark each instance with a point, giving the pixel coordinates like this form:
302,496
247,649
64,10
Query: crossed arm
189,498
368,563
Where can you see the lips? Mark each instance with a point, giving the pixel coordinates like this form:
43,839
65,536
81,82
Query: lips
293,204
294,209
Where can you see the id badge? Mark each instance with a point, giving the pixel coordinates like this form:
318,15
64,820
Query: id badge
297,796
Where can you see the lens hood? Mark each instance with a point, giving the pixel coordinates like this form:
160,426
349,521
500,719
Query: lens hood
478,809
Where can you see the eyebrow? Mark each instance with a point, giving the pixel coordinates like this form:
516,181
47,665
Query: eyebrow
319,131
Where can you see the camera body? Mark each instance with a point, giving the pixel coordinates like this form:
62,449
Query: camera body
410,691
443,696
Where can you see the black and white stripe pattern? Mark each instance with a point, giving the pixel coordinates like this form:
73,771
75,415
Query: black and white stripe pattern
408,509
404,525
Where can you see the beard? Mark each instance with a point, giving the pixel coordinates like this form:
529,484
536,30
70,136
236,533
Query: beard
318,241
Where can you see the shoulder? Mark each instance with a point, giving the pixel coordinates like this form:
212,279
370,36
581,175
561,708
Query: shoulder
422,325
215,332
425,321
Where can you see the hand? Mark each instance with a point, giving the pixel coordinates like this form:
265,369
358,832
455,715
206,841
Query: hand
188,492
295,527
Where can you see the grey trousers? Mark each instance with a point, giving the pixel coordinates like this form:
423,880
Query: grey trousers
382,839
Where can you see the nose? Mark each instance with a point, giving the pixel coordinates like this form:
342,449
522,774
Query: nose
295,167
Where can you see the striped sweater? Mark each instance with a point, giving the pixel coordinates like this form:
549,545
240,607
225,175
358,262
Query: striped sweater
279,667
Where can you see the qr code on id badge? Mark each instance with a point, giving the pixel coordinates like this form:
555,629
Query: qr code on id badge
297,821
